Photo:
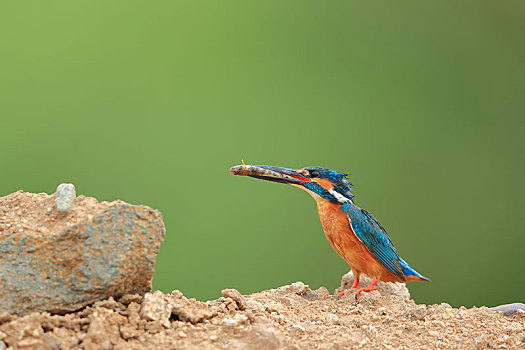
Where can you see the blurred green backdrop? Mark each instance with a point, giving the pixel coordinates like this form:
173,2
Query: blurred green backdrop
152,102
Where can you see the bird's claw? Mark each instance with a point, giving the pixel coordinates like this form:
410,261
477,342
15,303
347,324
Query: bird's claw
365,289
338,296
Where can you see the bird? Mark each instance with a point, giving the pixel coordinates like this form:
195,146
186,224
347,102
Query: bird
352,232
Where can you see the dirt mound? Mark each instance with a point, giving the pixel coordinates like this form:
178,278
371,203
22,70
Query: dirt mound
290,317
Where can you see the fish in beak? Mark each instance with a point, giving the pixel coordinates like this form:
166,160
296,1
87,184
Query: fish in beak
272,173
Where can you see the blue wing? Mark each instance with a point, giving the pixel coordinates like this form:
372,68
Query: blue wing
375,238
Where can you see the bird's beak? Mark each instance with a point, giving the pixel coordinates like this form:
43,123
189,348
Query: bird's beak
271,173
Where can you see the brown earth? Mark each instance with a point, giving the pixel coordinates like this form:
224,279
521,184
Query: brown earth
35,213
290,317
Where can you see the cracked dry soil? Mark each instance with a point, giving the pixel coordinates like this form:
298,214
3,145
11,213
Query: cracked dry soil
289,317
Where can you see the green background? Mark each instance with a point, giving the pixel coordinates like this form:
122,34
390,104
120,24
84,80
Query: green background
152,102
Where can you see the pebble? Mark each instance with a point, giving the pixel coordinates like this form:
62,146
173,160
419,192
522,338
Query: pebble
298,287
311,296
236,296
333,318
130,298
297,328
418,313
441,344
28,343
509,309
322,292
237,319
438,324
154,307
65,195
274,307
254,305
479,339
5,317
434,333
277,318
514,327
230,304
449,313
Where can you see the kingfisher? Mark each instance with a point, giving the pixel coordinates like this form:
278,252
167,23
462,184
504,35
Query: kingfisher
352,232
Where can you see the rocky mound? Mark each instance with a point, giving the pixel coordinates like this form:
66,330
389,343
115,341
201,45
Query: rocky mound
62,260
289,317
73,274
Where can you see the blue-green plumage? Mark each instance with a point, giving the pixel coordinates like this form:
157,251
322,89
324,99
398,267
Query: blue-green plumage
374,237
376,240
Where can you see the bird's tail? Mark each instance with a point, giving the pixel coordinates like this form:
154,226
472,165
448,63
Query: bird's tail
410,273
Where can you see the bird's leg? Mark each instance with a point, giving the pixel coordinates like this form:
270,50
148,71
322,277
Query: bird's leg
354,286
369,288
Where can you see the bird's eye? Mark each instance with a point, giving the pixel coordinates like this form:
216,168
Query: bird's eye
314,173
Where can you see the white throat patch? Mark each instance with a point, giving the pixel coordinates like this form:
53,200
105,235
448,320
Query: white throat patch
340,198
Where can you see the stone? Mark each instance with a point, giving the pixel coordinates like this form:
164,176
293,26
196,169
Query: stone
311,296
385,288
297,329
5,317
65,196
509,309
103,331
254,305
236,296
266,338
322,292
236,320
332,318
382,310
81,260
299,288
131,298
417,313
155,308
514,327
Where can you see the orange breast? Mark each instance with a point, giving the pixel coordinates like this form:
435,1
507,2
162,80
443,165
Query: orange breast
342,238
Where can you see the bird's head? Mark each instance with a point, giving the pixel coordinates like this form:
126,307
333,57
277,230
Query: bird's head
320,182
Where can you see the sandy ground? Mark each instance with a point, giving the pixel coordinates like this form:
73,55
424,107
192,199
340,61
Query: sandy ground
290,317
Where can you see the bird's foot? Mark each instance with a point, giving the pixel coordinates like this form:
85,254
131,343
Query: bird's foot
338,295
364,289
369,288
356,283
